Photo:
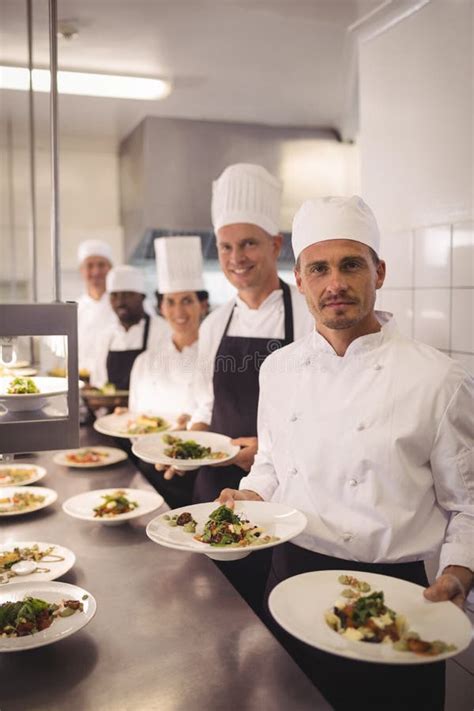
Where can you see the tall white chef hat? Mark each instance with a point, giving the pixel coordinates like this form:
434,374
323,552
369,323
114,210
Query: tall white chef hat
94,248
125,278
178,264
247,193
330,218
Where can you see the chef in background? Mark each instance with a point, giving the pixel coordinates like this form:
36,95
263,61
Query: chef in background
370,434
235,339
94,311
162,377
131,334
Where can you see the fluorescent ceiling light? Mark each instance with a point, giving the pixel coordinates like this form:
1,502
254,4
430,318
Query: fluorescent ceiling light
84,84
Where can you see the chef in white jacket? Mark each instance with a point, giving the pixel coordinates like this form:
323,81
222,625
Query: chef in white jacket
370,434
265,314
162,377
94,312
132,333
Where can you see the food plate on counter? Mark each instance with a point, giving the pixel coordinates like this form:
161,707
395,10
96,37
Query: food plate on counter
19,558
63,607
112,506
314,607
22,394
20,474
186,450
16,501
89,457
131,425
223,534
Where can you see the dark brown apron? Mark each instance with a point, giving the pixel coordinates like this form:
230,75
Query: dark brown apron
236,391
120,363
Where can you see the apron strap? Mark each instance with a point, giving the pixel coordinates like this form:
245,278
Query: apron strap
146,332
289,328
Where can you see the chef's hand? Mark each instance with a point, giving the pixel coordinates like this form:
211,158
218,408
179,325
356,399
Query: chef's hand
244,458
453,584
168,472
229,496
182,421
120,410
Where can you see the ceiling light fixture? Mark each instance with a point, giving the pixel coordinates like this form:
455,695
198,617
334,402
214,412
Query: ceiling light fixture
85,84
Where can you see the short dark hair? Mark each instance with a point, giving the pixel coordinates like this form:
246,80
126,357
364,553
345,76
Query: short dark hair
201,295
373,254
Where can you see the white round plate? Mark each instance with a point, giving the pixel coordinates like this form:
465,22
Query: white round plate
117,425
152,449
48,387
82,506
114,455
298,604
56,568
50,497
62,627
37,473
278,520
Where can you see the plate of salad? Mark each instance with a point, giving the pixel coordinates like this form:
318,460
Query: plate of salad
18,501
20,474
186,450
40,613
369,617
227,534
131,425
19,394
112,506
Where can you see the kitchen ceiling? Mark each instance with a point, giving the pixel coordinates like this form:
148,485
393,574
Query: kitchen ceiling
277,62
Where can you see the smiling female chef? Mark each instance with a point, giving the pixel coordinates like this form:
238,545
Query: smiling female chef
161,382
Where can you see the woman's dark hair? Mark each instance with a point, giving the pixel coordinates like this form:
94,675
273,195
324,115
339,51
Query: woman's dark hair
201,295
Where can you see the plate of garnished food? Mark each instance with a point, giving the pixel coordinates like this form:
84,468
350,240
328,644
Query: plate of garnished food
227,534
33,561
186,450
369,617
107,396
39,613
18,501
20,474
112,506
131,425
21,394
90,457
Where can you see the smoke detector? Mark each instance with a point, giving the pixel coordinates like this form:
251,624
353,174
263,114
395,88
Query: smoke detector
67,30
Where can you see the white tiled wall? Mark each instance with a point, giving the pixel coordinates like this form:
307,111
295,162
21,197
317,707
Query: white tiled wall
430,286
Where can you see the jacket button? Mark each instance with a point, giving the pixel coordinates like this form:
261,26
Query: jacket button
293,472
377,366
346,536
361,426
353,482
293,418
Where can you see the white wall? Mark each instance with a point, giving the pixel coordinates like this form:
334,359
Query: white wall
89,208
417,170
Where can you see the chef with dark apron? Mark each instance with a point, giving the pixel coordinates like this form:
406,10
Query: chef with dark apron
134,332
235,339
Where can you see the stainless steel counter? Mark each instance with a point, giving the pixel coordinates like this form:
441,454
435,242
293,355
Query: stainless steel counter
170,633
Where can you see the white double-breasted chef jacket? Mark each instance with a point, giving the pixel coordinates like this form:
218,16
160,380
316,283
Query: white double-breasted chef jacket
93,316
268,321
375,447
161,381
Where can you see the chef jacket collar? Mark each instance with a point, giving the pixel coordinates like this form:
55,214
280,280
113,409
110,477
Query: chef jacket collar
363,344
271,300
